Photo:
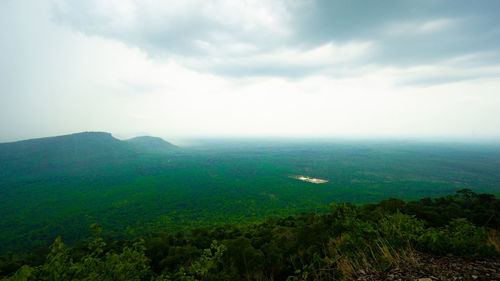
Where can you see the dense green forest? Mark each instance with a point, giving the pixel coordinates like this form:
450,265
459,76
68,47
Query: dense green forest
337,244
58,186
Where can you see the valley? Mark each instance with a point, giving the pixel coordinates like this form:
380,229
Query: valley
60,186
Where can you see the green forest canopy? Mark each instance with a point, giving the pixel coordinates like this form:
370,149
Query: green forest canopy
329,246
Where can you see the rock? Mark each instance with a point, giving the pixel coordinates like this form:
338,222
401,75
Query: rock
428,267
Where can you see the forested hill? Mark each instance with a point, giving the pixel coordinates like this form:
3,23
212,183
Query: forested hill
78,145
68,147
151,144
448,238
45,156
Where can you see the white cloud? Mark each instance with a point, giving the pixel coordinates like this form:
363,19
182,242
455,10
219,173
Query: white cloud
436,25
406,28
453,70
327,54
281,62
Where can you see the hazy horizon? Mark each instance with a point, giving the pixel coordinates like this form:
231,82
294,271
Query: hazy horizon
427,70
203,140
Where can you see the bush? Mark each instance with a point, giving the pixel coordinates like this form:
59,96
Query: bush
459,237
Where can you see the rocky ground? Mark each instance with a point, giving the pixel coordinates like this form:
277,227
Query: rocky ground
427,267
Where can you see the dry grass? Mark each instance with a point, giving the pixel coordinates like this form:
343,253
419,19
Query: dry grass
407,255
494,239
378,258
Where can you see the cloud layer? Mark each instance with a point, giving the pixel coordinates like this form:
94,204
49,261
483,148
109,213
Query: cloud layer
250,68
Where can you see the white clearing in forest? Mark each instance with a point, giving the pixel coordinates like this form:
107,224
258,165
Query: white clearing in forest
308,179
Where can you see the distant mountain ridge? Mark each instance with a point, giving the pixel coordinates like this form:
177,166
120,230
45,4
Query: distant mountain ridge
86,139
151,144
79,151
80,145
61,138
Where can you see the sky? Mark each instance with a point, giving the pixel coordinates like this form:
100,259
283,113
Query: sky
271,68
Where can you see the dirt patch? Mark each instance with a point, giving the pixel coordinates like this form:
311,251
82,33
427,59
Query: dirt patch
308,179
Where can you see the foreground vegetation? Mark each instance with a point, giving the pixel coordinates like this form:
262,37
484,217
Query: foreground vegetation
333,245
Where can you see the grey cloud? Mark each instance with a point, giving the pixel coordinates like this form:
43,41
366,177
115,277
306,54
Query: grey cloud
164,31
427,81
463,68
473,27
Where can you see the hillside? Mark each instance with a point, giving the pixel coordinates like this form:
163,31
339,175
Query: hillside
66,183
78,146
448,238
151,144
78,153
86,144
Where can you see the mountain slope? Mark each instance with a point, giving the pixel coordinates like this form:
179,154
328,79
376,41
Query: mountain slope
78,153
85,145
150,144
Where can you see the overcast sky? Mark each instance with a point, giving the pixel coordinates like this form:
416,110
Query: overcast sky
187,68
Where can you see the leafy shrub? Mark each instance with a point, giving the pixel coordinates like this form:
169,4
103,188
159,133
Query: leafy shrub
459,237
